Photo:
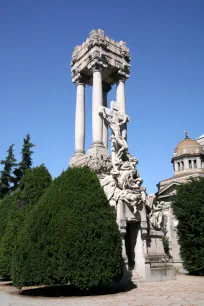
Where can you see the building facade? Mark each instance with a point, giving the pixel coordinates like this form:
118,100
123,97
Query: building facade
188,162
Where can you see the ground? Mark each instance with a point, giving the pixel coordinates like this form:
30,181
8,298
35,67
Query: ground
184,291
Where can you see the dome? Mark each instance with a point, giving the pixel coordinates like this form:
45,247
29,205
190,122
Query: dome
188,146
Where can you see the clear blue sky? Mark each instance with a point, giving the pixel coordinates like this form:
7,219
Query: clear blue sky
165,92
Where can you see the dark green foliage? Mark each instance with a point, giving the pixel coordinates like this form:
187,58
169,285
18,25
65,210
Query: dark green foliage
32,187
71,235
188,207
26,152
7,177
6,205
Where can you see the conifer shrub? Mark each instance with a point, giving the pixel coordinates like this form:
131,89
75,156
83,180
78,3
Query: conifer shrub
70,236
188,207
6,205
32,187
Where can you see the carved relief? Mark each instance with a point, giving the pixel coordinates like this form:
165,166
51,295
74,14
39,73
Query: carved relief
99,163
123,184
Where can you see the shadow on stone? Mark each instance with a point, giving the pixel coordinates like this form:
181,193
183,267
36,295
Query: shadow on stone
5,283
68,290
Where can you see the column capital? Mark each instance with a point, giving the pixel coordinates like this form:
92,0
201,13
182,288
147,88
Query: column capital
106,87
122,75
97,65
78,79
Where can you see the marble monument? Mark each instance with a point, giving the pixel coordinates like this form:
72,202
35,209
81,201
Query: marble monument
102,62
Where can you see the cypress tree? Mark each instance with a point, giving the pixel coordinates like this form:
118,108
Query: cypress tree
26,152
7,177
188,207
70,236
6,205
32,186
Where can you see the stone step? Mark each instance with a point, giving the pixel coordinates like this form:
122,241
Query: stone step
137,279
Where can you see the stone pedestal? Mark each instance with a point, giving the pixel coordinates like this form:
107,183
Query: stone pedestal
151,261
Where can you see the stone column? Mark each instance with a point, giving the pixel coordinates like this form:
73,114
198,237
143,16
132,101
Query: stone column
199,165
97,101
175,166
120,99
106,89
80,118
186,164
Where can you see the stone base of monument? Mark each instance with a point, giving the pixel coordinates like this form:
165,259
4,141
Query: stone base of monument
96,158
97,149
151,262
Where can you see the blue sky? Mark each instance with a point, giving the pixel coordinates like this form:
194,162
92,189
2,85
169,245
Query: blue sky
165,92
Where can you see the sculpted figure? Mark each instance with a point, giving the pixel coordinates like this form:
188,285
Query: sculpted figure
117,138
110,186
156,216
131,198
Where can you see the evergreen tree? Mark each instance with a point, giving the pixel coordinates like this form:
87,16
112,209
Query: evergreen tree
188,207
32,186
7,177
6,205
26,152
70,236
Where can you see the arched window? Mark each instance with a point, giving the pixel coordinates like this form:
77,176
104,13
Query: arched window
182,165
190,164
178,166
195,163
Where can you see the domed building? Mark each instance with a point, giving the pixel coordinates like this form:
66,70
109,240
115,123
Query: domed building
188,162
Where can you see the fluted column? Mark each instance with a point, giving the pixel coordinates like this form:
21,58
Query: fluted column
80,117
106,89
120,99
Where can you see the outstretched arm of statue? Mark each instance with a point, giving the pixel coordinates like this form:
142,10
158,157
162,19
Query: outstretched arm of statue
105,116
124,121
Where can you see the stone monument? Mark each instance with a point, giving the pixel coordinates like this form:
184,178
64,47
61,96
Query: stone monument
102,62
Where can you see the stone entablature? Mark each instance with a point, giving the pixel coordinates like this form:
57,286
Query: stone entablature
100,51
182,179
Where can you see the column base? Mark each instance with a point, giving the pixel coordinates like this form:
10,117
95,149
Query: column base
78,159
79,153
97,148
